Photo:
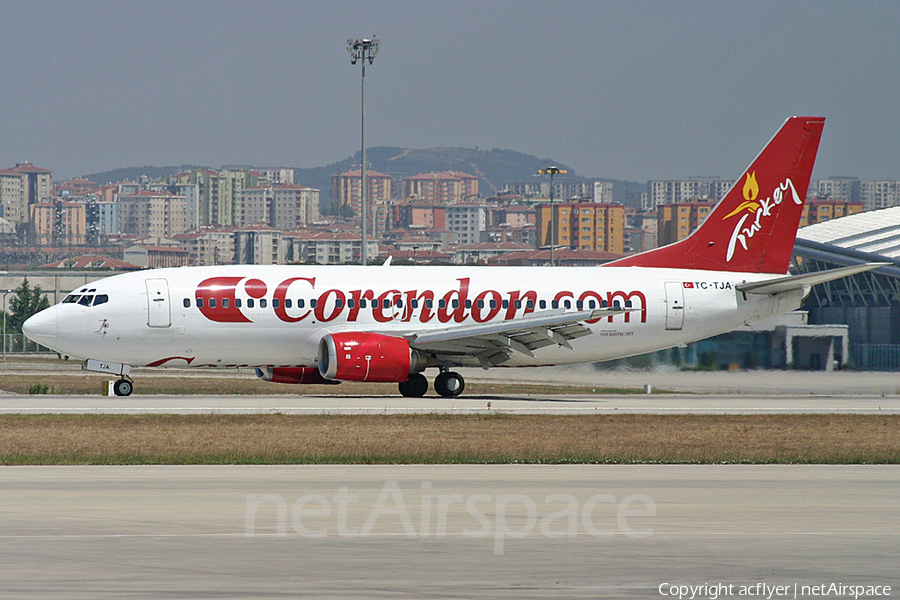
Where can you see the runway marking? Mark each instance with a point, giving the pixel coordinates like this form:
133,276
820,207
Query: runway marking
76,536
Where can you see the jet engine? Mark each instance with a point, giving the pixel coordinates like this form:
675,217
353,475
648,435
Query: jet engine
362,356
294,375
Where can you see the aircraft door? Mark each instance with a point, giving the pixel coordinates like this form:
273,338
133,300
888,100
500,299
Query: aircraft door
674,305
158,310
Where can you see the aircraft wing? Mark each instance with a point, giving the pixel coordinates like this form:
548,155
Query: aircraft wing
493,343
798,282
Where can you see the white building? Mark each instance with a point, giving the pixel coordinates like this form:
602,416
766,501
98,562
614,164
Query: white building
466,221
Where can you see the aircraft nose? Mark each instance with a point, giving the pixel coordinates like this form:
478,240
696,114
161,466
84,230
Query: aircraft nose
42,327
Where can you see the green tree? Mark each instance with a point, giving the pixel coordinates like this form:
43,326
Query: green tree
27,301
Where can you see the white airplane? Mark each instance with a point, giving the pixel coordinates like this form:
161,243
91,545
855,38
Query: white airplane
322,324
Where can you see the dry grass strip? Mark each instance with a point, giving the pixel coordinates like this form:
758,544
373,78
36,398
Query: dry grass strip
387,439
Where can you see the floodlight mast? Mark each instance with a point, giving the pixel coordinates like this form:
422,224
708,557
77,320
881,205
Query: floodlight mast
363,50
552,171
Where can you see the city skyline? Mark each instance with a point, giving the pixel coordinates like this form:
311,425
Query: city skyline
631,91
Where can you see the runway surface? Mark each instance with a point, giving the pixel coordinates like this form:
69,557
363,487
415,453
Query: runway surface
466,404
442,531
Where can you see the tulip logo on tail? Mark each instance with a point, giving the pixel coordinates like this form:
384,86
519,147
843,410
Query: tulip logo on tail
750,207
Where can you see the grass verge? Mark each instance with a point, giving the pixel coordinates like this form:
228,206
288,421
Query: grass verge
435,439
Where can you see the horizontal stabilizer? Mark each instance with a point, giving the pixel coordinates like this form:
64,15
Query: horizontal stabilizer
798,282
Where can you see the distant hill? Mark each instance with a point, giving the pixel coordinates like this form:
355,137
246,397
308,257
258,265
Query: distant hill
493,168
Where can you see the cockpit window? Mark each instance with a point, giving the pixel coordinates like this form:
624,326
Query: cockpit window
86,300
100,299
71,298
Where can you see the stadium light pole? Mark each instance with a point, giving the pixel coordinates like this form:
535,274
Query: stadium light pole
551,171
363,50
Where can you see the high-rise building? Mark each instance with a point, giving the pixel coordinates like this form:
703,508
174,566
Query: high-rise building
219,192
879,194
346,190
676,221
156,214
694,189
38,184
59,223
582,226
445,187
13,200
466,221
845,189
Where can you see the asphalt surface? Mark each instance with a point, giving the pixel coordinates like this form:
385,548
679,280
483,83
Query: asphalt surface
442,531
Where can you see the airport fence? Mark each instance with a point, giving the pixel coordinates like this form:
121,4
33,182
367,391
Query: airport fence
875,357
17,343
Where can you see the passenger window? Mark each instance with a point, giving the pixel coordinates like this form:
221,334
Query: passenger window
455,303
518,304
568,304
530,305
237,302
592,305
363,303
579,305
442,303
468,304
399,303
414,303
212,302
300,303
505,304
543,304
338,303
429,304
262,302
276,303
351,303
250,303
199,302
479,303
224,302
555,304
288,303
313,303
385,303
493,304
187,302
86,300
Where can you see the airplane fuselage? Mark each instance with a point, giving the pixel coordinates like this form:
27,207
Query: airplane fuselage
250,315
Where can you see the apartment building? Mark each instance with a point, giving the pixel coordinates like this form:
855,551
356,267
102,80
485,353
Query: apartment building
258,245
818,210
219,192
466,221
13,200
879,194
328,248
147,213
845,189
38,183
678,191
444,187
582,226
346,190
676,221
59,223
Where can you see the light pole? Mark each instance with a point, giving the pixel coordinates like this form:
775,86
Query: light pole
552,171
363,50
5,293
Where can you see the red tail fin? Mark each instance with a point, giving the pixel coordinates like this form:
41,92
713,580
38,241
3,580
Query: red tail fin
753,228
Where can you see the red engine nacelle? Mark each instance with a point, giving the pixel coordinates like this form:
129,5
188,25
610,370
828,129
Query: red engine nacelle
295,375
362,356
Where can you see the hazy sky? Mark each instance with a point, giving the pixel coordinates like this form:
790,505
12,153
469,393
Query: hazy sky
622,89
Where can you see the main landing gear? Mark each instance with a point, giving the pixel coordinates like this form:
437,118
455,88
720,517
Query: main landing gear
123,387
448,384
